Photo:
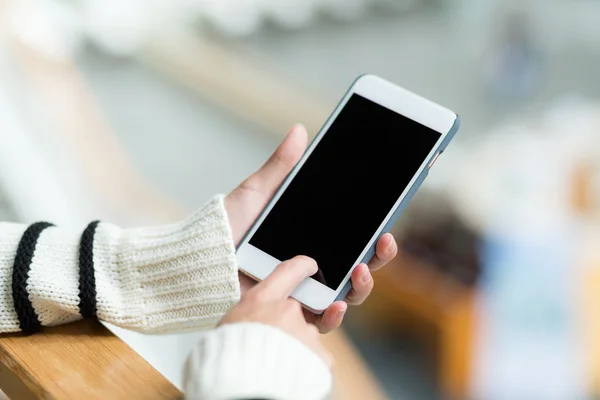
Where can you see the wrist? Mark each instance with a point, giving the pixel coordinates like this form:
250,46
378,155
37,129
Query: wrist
171,278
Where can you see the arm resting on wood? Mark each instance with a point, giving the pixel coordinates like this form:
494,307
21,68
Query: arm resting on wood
170,278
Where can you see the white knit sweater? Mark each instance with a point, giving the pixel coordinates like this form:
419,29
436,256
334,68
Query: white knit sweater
172,278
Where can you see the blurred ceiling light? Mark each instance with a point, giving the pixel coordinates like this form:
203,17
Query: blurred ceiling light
345,10
290,14
232,17
399,5
118,26
47,27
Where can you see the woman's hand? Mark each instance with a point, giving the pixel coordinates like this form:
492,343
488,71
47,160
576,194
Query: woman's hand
245,203
268,303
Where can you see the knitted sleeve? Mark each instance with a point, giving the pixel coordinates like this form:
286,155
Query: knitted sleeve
176,277
254,361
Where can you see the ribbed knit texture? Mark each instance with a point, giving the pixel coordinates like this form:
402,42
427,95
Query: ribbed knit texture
170,278
254,361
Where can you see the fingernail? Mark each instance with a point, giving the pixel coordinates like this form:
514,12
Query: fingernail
341,313
366,275
295,127
390,243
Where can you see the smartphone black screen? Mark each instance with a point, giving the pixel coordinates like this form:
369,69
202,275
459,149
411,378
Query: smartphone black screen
345,189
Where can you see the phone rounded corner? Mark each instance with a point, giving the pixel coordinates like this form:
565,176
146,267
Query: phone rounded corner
314,307
317,311
450,132
456,124
365,78
362,76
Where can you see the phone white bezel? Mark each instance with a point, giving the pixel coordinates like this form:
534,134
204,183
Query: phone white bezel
313,294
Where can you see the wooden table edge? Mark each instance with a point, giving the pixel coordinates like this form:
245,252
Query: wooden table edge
95,364
15,381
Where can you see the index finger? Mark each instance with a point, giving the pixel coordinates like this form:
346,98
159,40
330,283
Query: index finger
286,277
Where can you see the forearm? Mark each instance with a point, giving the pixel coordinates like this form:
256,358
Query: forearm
176,277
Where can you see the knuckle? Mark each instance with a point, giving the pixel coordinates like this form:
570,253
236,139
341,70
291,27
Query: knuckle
256,296
286,265
363,284
292,306
305,259
358,301
350,296
285,157
355,297
251,184
286,271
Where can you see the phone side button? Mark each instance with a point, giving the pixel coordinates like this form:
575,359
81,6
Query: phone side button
434,159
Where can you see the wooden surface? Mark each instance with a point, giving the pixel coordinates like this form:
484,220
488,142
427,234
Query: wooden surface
85,360
82,360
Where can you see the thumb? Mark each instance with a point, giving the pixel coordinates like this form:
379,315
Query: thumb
270,176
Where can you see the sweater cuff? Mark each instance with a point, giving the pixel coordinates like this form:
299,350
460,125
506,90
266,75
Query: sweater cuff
252,360
179,277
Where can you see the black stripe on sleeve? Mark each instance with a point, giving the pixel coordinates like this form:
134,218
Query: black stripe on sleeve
87,278
28,319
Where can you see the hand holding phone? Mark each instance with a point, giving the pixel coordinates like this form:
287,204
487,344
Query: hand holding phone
379,137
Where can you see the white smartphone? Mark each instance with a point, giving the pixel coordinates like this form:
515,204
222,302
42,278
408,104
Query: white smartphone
350,186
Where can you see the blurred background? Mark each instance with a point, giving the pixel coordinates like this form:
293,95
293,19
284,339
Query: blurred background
137,111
